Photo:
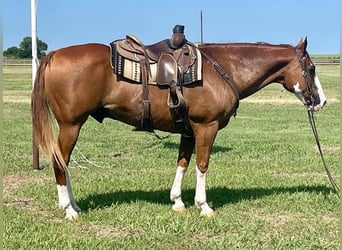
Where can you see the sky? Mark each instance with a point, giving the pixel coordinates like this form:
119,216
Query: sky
62,23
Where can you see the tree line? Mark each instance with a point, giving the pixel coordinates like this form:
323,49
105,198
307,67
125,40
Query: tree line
25,49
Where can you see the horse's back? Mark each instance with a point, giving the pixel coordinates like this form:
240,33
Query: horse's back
79,57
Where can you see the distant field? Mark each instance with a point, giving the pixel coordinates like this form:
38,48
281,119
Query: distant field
265,180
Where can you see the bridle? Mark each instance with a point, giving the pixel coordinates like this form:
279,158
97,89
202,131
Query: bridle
306,73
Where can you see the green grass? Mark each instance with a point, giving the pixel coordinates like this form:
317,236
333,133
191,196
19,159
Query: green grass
265,181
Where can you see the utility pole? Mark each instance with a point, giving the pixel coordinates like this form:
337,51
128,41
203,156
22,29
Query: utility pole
201,27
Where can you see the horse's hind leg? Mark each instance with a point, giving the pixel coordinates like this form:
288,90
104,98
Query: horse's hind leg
67,138
185,151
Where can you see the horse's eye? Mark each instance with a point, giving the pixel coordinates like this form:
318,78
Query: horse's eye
312,70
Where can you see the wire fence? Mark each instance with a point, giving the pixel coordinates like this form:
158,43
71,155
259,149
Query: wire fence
326,60
16,62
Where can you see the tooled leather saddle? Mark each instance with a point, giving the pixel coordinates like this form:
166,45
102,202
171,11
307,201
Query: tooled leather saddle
171,62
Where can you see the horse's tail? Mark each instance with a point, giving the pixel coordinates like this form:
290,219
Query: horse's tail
43,128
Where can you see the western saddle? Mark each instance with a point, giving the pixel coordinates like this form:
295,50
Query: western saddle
171,62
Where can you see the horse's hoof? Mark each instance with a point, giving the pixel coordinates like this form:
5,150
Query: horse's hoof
208,214
180,210
71,214
72,217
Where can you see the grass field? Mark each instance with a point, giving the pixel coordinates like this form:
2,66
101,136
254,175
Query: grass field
265,181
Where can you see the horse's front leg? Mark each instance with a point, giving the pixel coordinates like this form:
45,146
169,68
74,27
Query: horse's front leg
205,136
186,148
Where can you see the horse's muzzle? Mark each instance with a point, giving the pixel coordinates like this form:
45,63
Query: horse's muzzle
317,107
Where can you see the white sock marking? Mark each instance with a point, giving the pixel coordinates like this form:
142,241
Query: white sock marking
66,200
200,194
63,196
176,190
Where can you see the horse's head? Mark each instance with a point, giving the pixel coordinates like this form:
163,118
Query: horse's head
301,79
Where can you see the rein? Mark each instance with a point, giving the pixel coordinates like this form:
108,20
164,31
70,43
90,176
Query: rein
314,130
311,117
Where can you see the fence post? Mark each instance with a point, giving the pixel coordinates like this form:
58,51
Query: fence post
35,148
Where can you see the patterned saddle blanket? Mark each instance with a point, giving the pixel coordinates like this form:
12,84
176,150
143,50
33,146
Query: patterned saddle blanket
127,54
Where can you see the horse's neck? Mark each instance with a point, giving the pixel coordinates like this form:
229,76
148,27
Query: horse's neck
252,66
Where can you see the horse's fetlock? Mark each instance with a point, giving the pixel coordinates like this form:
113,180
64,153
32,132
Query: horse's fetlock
202,167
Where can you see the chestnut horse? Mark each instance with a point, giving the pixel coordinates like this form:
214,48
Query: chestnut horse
77,82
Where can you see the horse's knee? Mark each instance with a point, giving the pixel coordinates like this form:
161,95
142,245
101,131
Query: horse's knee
183,163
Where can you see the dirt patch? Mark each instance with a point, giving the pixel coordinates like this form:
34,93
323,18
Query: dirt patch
108,232
328,149
19,203
301,174
12,182
279,223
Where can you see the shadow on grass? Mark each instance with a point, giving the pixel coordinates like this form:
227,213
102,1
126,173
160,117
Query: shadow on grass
218,196
216,148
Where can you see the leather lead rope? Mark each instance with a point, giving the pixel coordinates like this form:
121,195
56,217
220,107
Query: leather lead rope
314,130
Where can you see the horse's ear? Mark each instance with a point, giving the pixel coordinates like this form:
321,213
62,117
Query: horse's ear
302,44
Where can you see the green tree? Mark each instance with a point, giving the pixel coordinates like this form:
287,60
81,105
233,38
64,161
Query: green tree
11,52
25,49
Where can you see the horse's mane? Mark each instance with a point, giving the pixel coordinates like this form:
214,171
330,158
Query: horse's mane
244,44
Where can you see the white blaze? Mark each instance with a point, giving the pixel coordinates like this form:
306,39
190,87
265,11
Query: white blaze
298,92
320,91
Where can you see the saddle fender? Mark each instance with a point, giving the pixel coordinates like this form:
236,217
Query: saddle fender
166,70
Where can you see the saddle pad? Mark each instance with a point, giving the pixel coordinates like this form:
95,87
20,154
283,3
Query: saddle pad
125,62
